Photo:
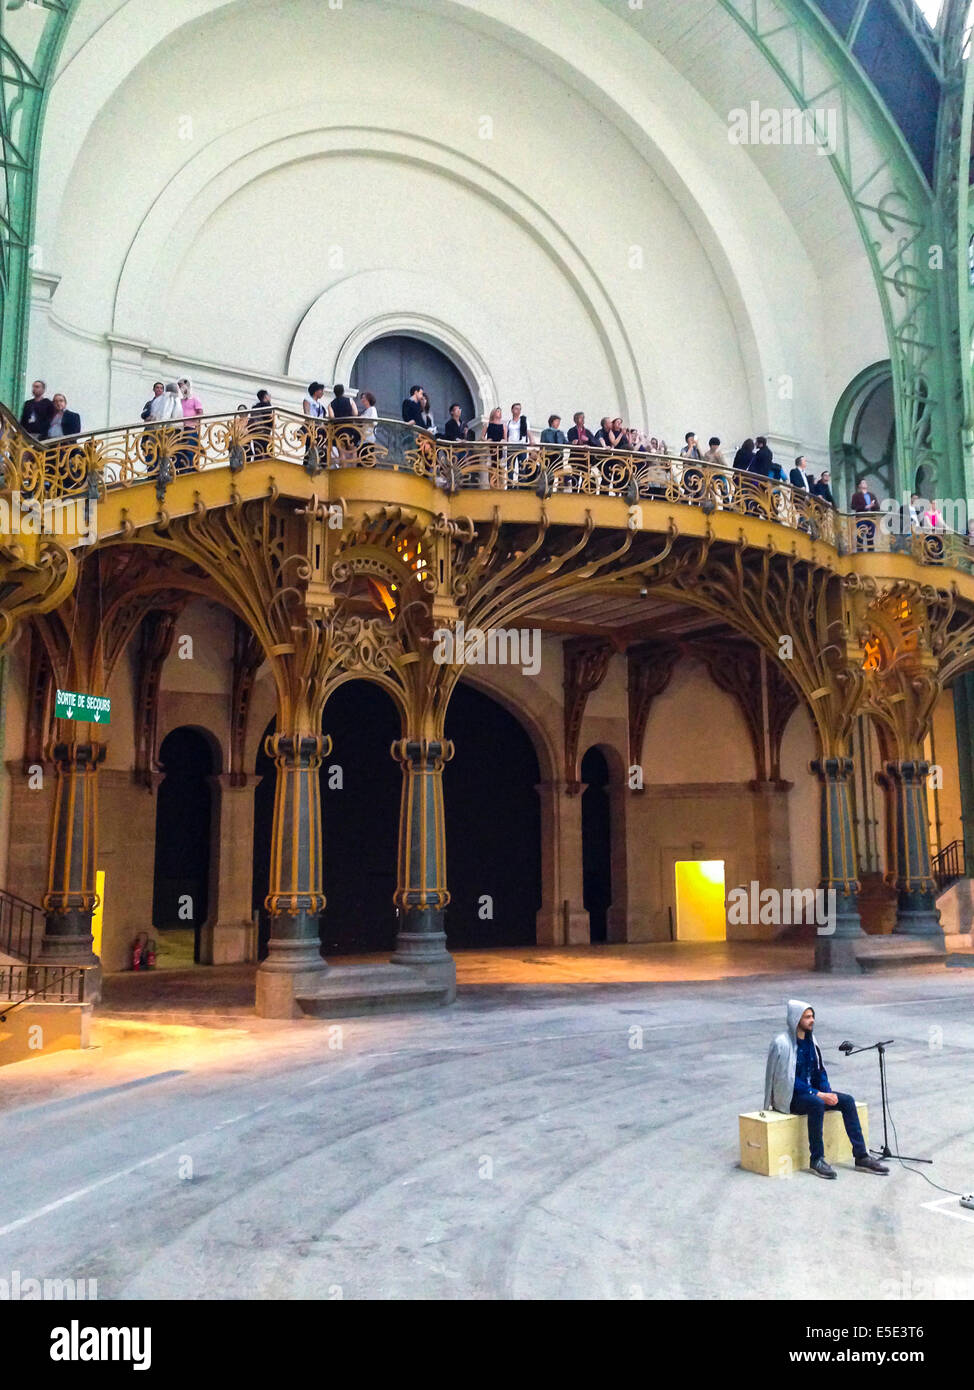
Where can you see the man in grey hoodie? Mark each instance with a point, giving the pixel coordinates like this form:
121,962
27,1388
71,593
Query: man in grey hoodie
796,1081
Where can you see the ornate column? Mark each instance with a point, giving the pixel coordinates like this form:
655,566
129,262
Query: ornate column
836,951
912,876
295,899
421,895
229,935
70,898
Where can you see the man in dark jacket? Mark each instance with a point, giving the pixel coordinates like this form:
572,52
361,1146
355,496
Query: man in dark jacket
823,488
63,421
796,1081
36,414
763,458
412,408
799,477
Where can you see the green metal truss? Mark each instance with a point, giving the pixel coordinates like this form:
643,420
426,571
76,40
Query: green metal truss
900,219
903,226
31,35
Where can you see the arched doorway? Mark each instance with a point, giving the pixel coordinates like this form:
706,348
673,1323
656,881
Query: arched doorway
596,843
863,443
493,825
360,792
390,365
180,892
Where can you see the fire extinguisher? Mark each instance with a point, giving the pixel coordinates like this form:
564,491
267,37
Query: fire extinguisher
137,952
149,955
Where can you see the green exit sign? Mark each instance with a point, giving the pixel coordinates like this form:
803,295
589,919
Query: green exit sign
87,709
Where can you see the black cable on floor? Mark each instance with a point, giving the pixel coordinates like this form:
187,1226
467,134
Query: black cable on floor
904,1164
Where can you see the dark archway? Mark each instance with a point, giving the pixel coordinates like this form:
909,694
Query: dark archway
360,792
390,365
596,843
493,825
361,785
180,892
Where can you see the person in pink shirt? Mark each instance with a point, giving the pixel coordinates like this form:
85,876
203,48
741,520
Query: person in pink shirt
189,458
192,405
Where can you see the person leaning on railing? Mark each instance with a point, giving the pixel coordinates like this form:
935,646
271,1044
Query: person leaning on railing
862,500
163,407
260,423
343,408
553,458
191,408
314,430
37,411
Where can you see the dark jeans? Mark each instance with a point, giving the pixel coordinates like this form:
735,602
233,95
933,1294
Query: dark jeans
815,1110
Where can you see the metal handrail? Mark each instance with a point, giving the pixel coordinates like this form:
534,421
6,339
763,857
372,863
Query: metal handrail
18,922
94,464
56,979
950,864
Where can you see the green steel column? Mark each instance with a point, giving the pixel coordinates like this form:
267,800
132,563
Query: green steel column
31,36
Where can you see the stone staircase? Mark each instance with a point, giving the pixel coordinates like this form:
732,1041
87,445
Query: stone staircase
956,905
345,991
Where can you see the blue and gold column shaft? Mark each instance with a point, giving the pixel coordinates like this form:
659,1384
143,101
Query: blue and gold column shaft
422,895
840,857
296,899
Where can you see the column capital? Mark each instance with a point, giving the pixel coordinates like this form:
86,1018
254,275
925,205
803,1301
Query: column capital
424,754
298,749
910,772
833,769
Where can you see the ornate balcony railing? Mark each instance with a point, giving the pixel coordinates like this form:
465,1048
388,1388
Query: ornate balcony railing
95,464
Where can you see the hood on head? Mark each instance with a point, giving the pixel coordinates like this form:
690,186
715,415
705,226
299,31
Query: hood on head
795,1010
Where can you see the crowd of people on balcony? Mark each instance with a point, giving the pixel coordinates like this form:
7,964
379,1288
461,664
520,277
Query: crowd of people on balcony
49,418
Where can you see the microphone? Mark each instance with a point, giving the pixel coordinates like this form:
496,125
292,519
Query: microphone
846,1047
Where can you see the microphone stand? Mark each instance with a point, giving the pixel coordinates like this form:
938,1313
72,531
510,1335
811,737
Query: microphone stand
880,1047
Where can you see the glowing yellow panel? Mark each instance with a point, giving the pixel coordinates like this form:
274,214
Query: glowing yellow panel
96,916
700,908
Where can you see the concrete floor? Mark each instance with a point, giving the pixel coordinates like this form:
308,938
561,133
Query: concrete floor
515,1146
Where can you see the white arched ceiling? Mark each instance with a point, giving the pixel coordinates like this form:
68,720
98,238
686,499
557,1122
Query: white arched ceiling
765,279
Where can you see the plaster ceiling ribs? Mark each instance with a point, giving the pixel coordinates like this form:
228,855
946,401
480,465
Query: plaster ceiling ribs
156,633
248,656
586,663
37,719
650,668
765,697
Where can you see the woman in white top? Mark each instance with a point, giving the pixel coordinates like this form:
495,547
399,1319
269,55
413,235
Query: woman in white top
168,406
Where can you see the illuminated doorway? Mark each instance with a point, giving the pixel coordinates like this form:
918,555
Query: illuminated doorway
701,914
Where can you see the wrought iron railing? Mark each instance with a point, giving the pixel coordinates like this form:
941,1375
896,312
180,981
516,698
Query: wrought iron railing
97,463
20,921
44,984
950,864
